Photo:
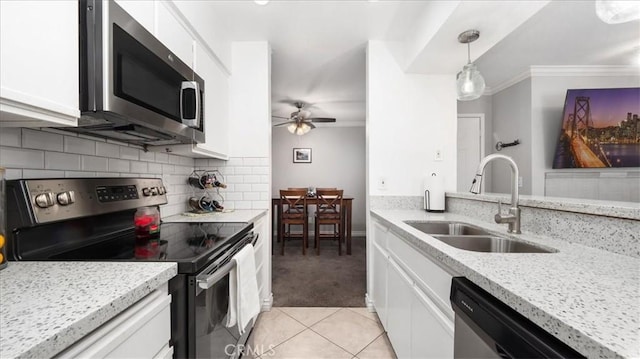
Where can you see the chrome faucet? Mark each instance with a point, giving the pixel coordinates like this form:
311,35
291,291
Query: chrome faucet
513,217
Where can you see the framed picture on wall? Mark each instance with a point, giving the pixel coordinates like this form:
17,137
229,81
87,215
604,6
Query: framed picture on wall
301,155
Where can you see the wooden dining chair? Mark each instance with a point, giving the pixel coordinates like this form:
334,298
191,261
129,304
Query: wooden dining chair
293,211
329,212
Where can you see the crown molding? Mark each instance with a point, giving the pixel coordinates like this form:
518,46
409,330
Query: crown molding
557,71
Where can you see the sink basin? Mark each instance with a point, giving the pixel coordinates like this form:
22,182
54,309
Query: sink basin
491,244
451,228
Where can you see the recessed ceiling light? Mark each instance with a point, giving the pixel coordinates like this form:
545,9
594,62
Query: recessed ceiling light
261,2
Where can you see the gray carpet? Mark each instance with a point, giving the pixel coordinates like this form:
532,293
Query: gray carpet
327,280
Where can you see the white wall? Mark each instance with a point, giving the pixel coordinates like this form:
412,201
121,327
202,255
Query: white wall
409,117
337,160
484,106
511,121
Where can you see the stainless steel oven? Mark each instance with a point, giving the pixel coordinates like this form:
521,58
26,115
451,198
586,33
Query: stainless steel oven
132,87
93,219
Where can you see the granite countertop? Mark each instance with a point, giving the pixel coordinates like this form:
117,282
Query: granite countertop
586,297
47,306
238,215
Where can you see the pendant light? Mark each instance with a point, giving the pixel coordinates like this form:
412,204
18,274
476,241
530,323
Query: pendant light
469,82
299,128
617,12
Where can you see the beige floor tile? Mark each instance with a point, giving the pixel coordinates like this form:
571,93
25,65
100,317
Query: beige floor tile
364,311
308,315
271,329
349,330
307,345
380,349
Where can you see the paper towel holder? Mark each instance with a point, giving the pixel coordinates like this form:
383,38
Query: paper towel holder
427,199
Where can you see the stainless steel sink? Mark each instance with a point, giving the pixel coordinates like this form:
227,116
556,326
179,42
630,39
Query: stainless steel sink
491,244
471,238
451,228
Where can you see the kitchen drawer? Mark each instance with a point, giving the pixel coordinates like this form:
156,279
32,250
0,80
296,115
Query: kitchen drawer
431,277
141,331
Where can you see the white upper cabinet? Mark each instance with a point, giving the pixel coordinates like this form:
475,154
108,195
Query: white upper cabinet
216,103
39,63
172,33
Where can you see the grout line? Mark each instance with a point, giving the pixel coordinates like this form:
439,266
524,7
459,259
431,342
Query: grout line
366,346
373,320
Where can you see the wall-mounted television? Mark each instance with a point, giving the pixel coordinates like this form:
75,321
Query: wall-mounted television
600,129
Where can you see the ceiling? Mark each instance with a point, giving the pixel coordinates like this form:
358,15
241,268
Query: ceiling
318,47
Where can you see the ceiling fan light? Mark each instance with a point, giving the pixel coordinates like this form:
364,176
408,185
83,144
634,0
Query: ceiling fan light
617,12
292,127
470,84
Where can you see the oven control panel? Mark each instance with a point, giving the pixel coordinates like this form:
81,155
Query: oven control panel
67,198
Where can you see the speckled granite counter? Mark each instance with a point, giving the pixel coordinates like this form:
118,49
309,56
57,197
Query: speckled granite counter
238,215
47,306
586,297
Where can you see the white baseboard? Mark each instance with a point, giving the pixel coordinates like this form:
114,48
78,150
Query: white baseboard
369,303
267,303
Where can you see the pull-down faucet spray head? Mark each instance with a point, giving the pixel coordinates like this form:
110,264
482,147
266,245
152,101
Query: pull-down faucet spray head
475,185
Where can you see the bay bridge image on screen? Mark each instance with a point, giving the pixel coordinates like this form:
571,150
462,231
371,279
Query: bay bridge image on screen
597,137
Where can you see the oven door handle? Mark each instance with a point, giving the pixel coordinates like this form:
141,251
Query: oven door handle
209,281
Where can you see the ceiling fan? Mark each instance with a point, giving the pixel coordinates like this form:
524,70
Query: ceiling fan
300,121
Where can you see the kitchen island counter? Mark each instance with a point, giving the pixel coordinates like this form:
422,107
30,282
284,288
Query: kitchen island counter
586,297
45,307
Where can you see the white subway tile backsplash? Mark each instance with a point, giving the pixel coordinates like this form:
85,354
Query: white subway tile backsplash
251,179
264,161
242,187
107,150
234,179
264,196
168,169
242,205
260,187
147,156
251,161
264,179
260,170
227,171
235,162
251,196
174,160
232,196
10,137
12,157
61,161
41,140
201,163
116,165
119,143
129,153
91,163
137,166
162,157
79,145
92,138
27,173
155,168
215,162
243,170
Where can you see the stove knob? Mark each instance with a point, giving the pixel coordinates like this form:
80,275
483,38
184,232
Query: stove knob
146,192
66,198
44,200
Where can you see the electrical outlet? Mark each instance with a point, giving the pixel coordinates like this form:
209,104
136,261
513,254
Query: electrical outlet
382,183
520,181
438,155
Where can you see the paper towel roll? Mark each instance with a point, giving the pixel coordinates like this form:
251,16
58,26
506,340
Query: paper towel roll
434,193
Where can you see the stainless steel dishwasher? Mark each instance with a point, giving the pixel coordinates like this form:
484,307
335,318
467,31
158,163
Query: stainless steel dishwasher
485,327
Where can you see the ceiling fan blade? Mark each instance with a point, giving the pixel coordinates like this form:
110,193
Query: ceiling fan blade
311,125
284,123
282,117
322,119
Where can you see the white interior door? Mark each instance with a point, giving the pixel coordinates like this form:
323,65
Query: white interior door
470,148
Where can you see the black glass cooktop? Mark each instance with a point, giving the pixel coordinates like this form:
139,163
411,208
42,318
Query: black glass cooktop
191,245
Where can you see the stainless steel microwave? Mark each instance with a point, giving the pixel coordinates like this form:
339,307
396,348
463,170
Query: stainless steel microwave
132,87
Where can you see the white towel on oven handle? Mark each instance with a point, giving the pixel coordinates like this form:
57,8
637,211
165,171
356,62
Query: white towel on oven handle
244,301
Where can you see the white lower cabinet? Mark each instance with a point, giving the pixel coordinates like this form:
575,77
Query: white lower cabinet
141,331
399,299
409,291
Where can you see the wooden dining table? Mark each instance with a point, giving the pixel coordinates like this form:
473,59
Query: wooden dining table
313,201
